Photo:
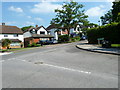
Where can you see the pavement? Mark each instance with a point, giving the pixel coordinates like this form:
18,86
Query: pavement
97,48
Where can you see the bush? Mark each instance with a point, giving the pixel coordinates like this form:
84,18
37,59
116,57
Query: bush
63,38
77,38
6,43
109,32
33,45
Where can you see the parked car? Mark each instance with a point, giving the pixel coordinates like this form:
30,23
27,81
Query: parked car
83,37
46,42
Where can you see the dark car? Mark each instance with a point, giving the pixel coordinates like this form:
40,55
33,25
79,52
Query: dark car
83,37
48,42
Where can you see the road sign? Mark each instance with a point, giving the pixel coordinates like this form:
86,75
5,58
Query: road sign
100,39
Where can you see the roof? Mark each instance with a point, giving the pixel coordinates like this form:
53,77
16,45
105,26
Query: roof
36,28
15,40
42,36
53,26
4,29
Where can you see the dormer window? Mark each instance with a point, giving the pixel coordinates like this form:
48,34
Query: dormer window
33,31
42,32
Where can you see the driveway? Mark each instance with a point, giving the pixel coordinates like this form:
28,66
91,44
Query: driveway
59,66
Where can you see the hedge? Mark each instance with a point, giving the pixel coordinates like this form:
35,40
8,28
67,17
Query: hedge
63,38
109,32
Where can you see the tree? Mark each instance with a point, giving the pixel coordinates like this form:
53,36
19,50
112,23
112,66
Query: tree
25,28
116,11
69,16
6,42
107,18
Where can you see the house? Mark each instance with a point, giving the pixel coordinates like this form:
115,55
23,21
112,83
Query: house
35,35
55,31
12,33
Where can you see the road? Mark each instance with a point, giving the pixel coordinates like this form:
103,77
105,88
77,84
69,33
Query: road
59,66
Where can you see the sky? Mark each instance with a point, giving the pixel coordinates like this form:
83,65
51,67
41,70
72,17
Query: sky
40,13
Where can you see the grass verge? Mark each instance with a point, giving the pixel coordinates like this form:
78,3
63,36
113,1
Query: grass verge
115,45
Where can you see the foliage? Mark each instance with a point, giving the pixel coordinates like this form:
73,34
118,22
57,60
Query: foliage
25,28
63,38
6,42
107,18
77,38
33,45
113,15
109,32
116,11
69,15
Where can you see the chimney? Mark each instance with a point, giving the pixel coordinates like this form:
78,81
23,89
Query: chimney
3,23
36,25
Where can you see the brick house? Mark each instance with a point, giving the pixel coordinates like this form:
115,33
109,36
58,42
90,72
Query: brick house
35,35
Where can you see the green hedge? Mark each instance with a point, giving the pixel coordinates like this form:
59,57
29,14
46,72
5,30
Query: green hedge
63,38
33,45
77,38
109,32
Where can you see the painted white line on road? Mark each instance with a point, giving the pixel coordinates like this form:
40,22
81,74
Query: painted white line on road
70,69
2,61
1,54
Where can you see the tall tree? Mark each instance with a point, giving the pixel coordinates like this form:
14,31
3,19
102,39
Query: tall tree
107,18
70,14
116,11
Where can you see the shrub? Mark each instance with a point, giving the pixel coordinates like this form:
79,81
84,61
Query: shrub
33,45
63,38
6,42
109,32
77,38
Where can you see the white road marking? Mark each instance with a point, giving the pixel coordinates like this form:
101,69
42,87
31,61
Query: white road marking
1,54
70,69
23,60
2,61
50,65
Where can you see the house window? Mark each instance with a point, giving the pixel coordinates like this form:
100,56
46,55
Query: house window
5,35
42,32
15,35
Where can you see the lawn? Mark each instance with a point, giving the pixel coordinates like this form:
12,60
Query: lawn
16,49
115,45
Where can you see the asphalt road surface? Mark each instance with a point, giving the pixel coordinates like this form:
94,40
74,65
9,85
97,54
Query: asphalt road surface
59,66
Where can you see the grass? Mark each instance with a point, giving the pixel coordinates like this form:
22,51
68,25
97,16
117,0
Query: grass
115,45
16,49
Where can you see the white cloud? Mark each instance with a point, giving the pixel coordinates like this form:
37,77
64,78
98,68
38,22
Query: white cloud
29,23
29,17
45,7
38,19
10,23
96,11
15,9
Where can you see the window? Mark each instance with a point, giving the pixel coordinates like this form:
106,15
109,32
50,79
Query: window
15,35
42,32
5,35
